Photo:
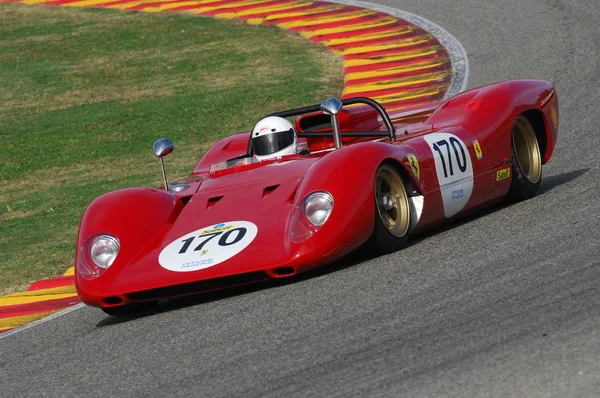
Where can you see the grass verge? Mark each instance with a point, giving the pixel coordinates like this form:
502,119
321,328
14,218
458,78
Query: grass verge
85,92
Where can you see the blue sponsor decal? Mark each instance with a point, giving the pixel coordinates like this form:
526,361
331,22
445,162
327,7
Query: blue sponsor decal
458,194
219,225
193,264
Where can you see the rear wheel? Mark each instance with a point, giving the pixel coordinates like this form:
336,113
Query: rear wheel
526,161
130,309
392,211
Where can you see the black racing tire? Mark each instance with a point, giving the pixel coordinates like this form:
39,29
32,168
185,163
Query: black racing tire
130,309
392,211
526,160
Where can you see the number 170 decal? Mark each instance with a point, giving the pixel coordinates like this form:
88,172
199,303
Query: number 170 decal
461,160
208,246
454,170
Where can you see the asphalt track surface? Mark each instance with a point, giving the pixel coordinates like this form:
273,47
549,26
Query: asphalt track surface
504,304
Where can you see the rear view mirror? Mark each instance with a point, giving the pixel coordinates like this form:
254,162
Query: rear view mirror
162,147
332,106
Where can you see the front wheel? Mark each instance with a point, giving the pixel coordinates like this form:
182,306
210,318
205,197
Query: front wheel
526,161
392,211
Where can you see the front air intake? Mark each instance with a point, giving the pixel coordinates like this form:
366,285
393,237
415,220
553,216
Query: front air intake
269,190
284,271
212,201
112,300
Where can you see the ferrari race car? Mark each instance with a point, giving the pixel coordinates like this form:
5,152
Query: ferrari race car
358,178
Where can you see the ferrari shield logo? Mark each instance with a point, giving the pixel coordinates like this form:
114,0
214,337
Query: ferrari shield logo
414,165
478,151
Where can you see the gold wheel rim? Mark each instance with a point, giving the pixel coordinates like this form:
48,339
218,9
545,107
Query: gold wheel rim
392,201
527,150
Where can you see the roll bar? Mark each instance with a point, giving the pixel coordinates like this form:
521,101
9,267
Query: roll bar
391,132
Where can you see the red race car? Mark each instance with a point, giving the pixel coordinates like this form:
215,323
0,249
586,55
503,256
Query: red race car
285,198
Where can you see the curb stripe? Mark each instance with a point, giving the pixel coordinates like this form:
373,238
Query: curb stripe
38,295
11,323
371,59
333,21
263,6
8,332
171,5
386,35
339,16
402,47
388,65
226,5
50,283
348,29
288,15
364,30
383,48
412,65
392,74
258,13
404,95
386,38
43,299
458,56
392,83
40,306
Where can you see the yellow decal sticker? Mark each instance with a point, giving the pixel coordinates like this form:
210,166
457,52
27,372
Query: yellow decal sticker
478,151
502,174
414,165
216,228
554,116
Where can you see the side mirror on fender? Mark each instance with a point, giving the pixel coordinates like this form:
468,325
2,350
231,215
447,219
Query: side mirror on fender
162,147
331,107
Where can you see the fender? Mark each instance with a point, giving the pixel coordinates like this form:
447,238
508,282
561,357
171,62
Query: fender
489,112
348,174
133,215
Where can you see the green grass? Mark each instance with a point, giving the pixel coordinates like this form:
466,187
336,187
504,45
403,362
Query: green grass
85,92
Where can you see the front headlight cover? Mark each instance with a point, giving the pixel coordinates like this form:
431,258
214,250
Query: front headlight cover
318,207
310,215
104,250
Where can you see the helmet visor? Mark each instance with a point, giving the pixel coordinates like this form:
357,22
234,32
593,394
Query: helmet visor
271,143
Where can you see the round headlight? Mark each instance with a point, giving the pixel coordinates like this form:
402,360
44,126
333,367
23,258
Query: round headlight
318,207
104,250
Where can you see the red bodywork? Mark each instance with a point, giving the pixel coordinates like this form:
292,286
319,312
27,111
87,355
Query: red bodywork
268,193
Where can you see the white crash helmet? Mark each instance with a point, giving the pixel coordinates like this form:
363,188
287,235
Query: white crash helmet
273,137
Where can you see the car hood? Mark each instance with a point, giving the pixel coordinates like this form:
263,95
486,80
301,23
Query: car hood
233,224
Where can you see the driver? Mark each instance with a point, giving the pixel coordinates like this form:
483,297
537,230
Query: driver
273,137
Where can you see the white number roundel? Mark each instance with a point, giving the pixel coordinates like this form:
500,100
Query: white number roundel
454,170
208,246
